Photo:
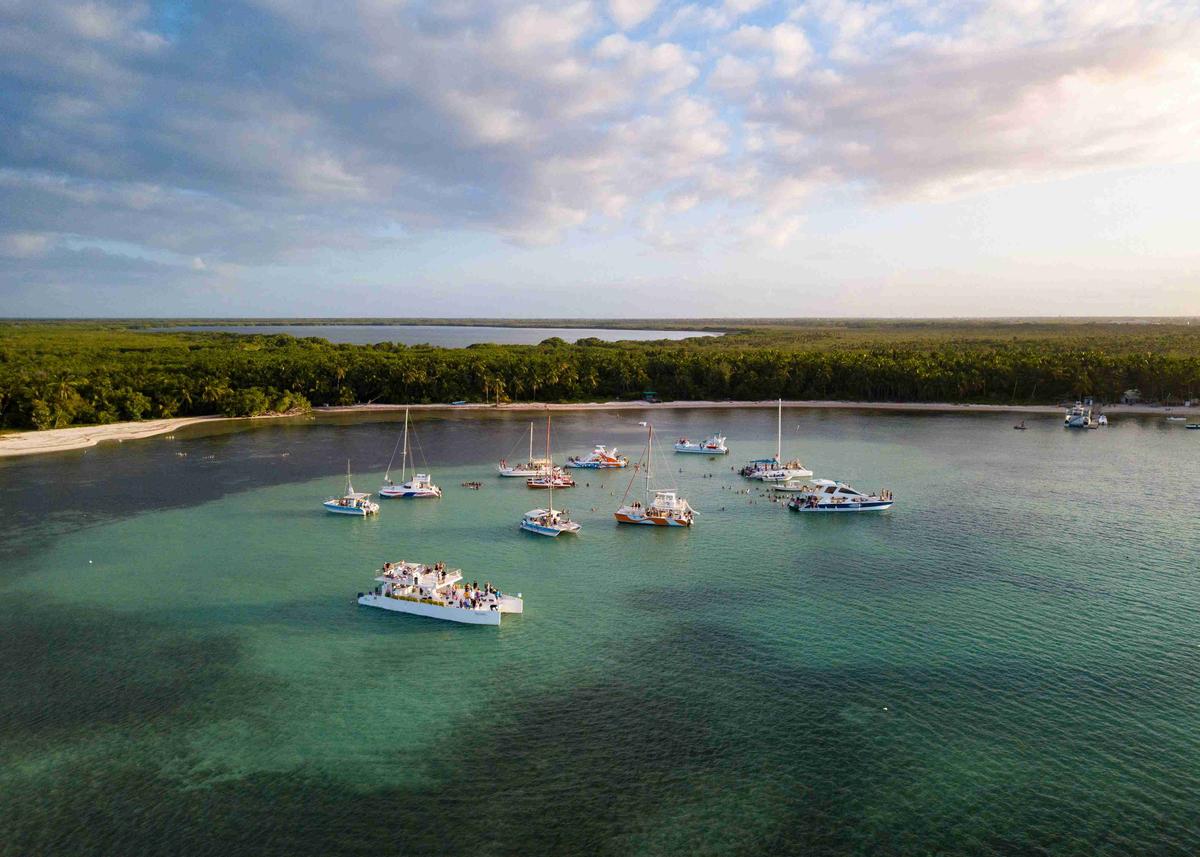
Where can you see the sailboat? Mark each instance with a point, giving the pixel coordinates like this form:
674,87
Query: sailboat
352,502
667,509
419,487
773,469
531,467
549,521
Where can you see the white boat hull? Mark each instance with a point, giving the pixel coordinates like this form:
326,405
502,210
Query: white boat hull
400,493
699,450
517,471
355,511
462,615
836,508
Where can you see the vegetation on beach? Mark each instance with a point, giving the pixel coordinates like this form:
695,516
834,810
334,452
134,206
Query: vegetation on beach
55,374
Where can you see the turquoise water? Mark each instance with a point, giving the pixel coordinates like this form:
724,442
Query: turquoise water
445,335
1006,663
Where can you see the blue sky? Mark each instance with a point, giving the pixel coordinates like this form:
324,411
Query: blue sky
622,158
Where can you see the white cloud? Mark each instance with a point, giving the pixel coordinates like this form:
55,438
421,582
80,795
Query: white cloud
629,13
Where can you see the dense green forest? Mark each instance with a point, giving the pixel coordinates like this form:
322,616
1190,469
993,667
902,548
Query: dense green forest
55,374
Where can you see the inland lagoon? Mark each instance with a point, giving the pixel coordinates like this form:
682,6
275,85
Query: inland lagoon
1007,662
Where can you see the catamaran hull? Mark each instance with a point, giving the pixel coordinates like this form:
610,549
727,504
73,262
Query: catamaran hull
346,510
517,472
592,465
402,494
539,530
699,450
845,507
627,518
434,611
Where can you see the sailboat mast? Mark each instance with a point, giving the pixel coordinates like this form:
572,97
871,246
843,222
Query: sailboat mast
549,461
349,487
404,457
779,434
649,456
530,459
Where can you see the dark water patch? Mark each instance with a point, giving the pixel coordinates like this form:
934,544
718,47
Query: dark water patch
64,675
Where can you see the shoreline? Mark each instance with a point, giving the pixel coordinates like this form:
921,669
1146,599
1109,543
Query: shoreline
25,443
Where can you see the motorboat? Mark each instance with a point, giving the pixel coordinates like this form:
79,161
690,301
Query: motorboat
549,521
420,487
715,445
1192,426
352,502
438,592
1079,416
551,478
774,469
1176,419
1020,426
1102,420
600,458
530,467
826,495
662,507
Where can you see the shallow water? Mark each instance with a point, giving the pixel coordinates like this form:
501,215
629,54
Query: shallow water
446,336
1008,662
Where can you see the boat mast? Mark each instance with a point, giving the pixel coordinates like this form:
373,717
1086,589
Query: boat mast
349,487
530,459
404,457
779,435
649,457
550,462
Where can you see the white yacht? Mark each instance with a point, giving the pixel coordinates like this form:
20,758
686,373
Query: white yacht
1079,416
438,593
530,467
773,469
666,509
600,458
352,502
419,487
825,495
715,445
549,521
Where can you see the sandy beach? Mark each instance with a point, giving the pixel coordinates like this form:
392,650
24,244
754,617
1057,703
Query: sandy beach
81,437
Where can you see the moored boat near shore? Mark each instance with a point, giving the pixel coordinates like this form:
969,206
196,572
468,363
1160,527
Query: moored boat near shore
419,487
600,458
715,445
774,469
662,507
352,502
549,521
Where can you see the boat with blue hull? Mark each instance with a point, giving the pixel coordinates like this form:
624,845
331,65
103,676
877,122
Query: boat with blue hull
549,521
353,502
825,496
420,487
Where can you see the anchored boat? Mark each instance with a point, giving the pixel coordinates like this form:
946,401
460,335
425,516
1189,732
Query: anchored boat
352,502
715,445
773,469
599,458
666,509
549,521
438,593
530,467
825,495
1079,416
419,487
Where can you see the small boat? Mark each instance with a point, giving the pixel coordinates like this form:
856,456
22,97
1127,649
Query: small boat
825,495
600,458
1192,426
1079,416
666,509
1102,420
1020,426
715,445
773,469
352,502
530,467
1176,419
419,487
791,485
553,478
438,593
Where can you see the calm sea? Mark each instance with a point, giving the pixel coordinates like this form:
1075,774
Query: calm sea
1007,663
447,336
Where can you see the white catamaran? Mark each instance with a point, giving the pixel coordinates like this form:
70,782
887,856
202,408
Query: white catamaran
438,593
715,445
352,502
666,509
773,469
420,486
549,521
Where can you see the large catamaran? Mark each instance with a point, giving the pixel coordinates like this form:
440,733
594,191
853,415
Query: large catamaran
662,507
419,487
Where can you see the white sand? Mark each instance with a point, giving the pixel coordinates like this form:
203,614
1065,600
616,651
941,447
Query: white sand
80,437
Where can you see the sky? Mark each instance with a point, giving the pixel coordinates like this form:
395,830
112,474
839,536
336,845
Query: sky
628,158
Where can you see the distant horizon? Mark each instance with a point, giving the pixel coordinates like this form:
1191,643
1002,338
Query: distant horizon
592,320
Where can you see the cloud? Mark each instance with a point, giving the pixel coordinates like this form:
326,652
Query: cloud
267,133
